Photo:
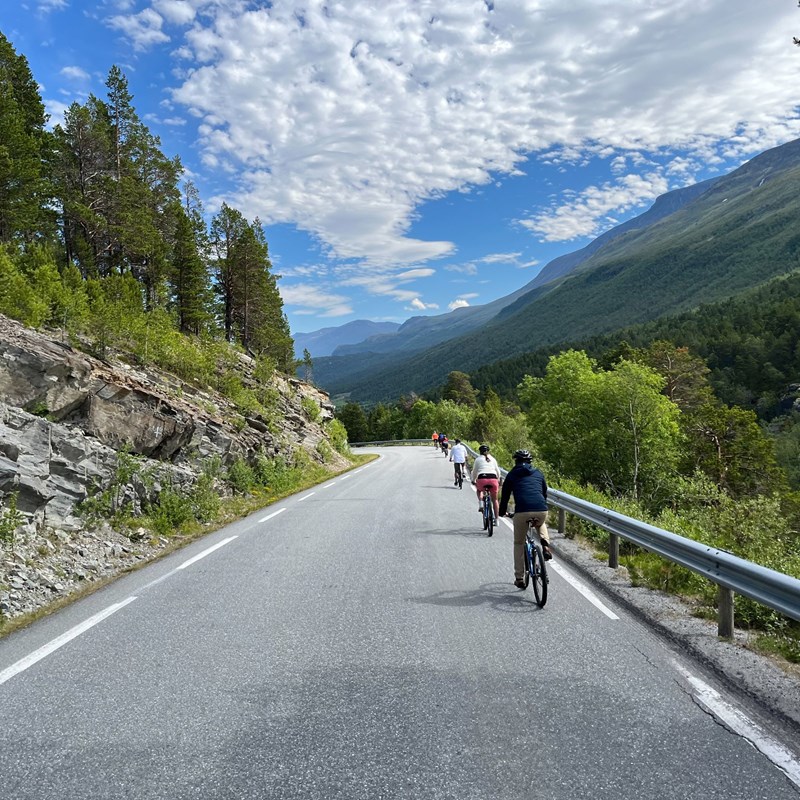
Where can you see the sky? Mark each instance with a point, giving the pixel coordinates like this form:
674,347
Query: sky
409,157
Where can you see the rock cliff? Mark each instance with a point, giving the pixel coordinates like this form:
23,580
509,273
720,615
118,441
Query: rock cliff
65,416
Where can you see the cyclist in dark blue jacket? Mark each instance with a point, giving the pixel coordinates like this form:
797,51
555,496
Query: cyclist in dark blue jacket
529,488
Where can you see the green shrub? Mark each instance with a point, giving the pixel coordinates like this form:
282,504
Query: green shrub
172,510
311,407
10,519
241,476
338,436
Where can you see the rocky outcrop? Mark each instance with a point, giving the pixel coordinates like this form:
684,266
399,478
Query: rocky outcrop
65,416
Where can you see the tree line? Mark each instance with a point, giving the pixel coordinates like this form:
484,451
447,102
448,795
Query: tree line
95,220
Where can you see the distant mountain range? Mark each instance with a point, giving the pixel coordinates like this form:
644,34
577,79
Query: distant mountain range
325,341
695,245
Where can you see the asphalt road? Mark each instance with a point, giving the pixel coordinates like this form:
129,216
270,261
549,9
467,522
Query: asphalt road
364,640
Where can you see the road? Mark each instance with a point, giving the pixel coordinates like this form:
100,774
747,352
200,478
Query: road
363,639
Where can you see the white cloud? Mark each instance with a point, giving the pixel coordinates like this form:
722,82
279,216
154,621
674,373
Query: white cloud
500,258
143,29
459,303
46,6
417,305
178,12
75,73
588,213
342,118
416,273
311,299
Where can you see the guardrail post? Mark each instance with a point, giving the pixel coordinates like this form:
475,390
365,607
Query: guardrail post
562,521
725,612
613,550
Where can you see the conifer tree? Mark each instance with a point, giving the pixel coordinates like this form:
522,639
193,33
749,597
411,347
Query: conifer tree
25,148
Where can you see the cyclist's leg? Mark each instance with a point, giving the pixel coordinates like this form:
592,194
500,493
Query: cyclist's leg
540,522
520,527
479,492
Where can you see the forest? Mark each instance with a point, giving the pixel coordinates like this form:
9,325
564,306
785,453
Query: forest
101,236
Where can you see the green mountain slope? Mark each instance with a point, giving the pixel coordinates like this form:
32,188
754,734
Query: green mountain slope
737,235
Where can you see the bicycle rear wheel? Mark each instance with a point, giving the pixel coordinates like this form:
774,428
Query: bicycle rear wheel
489,521
538,575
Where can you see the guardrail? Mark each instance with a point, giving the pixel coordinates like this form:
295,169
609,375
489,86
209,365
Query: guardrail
731,574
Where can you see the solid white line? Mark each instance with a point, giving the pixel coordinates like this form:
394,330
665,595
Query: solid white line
576,584
273,514
60,641
740,723
206,552
305,497
583,589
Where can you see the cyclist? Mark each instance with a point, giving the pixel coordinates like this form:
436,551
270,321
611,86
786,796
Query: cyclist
444,444
435,438
486,477
529,488
458,455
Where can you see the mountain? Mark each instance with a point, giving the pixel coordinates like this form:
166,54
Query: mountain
324,341
734,233
420,333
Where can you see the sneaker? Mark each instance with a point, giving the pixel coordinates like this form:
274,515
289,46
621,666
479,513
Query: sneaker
480,509
546,552
519,583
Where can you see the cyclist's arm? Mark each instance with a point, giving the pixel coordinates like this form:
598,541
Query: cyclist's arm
505,494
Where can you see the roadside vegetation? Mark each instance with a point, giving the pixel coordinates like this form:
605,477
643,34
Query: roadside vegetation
642,433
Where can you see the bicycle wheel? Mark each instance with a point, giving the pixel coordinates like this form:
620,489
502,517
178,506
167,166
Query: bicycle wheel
485,517
460,480
538,575
489,520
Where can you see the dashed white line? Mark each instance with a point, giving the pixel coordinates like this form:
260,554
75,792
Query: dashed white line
273,514
206,552
305,497
345,477
60,641
740,723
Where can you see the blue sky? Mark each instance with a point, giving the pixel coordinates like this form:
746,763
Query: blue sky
411,156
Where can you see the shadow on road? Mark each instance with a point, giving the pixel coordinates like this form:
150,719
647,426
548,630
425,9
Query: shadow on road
469,533
503,597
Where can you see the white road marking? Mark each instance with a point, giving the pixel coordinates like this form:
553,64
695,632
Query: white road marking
576,584
582,588
305,497
273,514
345,477
740,723
206,552
60,641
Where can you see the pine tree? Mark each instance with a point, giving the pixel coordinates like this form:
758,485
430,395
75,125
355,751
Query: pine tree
189,279
25,148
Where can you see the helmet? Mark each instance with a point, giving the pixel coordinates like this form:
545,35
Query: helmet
484,448
522,455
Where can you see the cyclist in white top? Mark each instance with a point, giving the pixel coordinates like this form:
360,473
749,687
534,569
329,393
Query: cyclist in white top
486,477
458,455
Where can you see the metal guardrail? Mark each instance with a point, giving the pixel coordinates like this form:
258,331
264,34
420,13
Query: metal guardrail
731,574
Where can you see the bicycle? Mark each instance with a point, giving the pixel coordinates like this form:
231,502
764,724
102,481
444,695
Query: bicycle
535,569
460,476
488,513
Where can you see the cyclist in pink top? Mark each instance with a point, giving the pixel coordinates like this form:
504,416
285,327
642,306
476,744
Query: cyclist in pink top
486,477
